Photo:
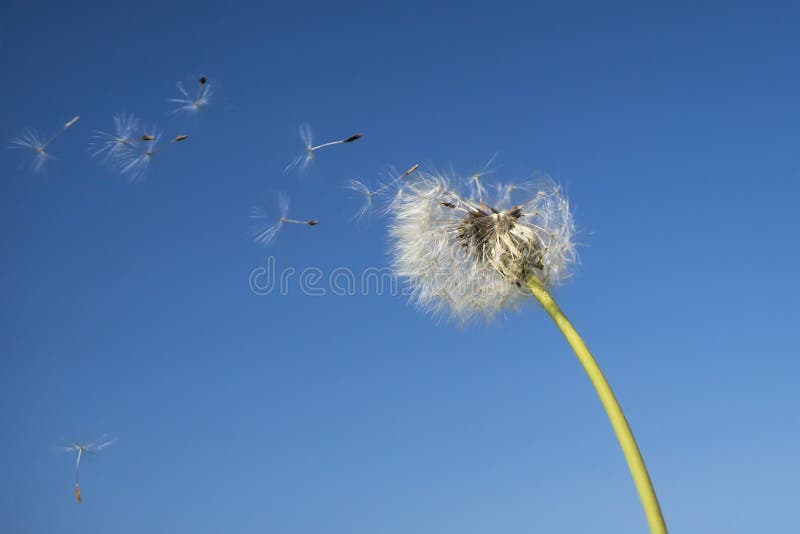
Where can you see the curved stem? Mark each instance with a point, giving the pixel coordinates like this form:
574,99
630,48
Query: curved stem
626,440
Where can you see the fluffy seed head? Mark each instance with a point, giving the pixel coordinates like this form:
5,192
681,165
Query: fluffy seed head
466,258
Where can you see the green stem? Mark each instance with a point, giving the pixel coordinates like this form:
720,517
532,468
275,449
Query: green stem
629,448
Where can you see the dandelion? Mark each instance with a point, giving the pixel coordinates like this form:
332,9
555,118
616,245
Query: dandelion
135,161
33,141
114,145
265,229
304,160
466,258
192,102
81,449
368,194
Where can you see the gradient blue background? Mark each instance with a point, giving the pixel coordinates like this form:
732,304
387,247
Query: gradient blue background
126,308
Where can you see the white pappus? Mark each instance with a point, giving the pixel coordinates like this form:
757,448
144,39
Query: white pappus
466,258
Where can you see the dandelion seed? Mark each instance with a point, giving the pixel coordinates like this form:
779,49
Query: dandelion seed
81,449
466,259
265,228
135,161
33,141
368,194
112,145
304,160
193,102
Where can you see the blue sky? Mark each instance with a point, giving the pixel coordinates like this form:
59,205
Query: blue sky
126,307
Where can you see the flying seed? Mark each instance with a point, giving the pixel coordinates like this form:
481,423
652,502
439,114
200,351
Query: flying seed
33,141
411,169
309,149
192,102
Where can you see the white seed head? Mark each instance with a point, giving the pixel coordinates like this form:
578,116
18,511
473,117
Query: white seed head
466,258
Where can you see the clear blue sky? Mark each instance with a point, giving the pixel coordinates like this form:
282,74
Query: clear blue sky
126,307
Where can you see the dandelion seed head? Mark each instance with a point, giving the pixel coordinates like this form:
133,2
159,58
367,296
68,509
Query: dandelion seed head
466,258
